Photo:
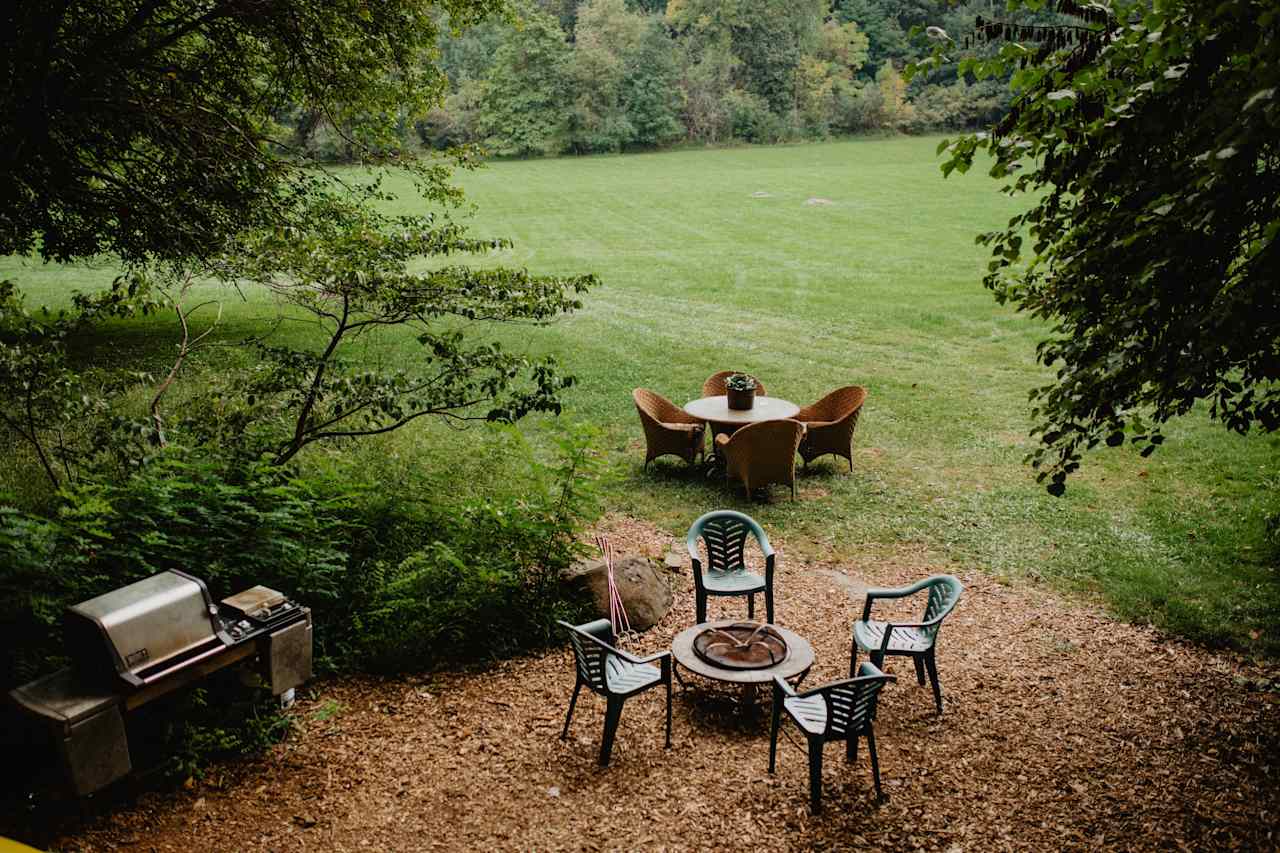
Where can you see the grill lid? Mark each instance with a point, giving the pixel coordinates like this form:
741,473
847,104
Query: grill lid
143,630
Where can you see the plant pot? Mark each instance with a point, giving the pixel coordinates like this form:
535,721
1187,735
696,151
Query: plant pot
741,400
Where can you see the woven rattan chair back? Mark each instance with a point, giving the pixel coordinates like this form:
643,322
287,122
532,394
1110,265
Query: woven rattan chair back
763,453
831,423
668,429
715,384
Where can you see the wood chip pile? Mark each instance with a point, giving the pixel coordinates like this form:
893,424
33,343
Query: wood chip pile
1063,730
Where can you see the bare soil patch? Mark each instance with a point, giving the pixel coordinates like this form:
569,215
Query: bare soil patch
1063,730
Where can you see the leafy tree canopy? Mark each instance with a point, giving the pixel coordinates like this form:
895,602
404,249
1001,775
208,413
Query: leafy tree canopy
528,90
144,128
1147,135
147,129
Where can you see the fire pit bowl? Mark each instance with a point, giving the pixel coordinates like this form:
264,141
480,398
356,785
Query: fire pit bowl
742,645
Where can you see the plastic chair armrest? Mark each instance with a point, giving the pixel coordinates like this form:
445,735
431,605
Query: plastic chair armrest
654,658
897,592
889,592
843,682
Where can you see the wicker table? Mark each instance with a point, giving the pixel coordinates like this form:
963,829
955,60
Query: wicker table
796,664
715,410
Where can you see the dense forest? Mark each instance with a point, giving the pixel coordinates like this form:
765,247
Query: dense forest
585,76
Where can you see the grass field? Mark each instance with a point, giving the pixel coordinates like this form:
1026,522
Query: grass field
876,283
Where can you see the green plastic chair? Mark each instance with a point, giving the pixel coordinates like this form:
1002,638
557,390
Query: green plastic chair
916,640
725,532
842,710
613,674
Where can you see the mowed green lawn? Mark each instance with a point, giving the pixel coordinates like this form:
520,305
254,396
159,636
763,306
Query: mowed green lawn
813,267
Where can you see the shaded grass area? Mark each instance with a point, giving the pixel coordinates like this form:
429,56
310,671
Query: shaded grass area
813,267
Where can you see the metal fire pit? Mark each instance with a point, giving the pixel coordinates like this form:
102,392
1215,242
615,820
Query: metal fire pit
742,645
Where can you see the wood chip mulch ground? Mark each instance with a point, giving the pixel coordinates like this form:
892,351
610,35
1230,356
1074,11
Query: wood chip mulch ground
1064,729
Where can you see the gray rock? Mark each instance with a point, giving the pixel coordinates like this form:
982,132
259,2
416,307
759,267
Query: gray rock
645,592
675,560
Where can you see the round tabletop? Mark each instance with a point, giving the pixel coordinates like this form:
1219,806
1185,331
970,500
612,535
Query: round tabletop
716,410
797,662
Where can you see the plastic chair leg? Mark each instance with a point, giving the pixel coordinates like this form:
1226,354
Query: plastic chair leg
768,603
773,730
932,666
574,701
919,662
751,606
612,713
668,680
700,599
815,775
875,762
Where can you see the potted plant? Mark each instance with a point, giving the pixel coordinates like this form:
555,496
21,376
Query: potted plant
741,391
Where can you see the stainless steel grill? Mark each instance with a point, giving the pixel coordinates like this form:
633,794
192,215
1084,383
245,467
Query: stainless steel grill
141,641
144,631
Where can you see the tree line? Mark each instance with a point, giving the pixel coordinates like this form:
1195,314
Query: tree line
589,76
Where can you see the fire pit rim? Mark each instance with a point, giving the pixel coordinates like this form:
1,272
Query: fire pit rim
767,633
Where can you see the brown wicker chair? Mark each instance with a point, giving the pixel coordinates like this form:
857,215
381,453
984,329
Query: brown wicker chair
762,453
668,428
714,386
831,422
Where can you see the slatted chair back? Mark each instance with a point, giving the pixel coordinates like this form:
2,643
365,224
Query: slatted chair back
715,384
944,592
842,710
724,533
590,652
613,674
851,704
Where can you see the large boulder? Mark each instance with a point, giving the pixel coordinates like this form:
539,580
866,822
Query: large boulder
646,595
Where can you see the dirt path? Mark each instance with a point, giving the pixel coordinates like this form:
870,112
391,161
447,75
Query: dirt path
1063,729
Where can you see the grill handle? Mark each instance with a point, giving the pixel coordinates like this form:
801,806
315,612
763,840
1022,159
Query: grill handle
152,677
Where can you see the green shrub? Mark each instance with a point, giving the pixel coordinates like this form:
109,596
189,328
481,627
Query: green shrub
490,585
359,554
395,581
750,118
